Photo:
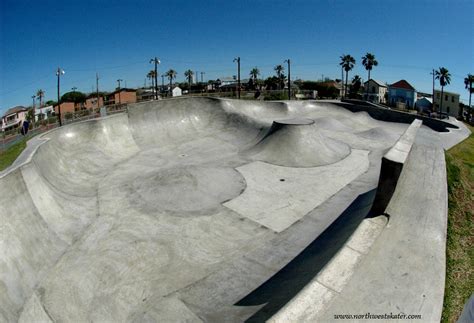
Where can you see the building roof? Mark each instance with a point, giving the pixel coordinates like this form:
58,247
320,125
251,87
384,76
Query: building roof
430,100
379,83
15,110
402,84
123,89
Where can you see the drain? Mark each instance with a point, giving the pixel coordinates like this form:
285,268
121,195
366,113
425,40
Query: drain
282,179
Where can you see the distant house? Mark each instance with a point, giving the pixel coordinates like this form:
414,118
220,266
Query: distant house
450,103
401,93
91,101
121,96
13,118
43,113
67,107
177,91
145,94
424,104
377,91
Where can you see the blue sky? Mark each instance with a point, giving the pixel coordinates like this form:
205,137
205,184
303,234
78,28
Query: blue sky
118,38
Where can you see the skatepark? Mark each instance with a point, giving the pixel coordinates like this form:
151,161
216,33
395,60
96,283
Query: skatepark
205,209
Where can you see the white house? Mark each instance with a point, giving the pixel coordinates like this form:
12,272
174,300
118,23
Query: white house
377,91
177,91
43,113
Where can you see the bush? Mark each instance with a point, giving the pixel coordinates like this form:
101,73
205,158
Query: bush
52,120
276,96
68,115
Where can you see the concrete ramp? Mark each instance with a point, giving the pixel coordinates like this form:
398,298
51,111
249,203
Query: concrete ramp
179,208
298,143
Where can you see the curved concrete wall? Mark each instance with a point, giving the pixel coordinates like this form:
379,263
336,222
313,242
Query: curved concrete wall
385,114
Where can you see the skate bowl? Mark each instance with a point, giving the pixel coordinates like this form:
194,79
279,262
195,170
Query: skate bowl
202,209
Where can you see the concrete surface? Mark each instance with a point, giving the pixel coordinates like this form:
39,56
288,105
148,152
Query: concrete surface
157,214
392,165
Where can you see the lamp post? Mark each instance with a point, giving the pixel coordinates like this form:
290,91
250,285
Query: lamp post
162,82
97,89
289,78
156,61
34,106
238,75
118,81
59,72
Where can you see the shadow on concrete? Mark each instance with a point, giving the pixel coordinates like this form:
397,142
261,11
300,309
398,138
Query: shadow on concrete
285,284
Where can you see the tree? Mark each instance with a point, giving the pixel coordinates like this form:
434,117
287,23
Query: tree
468,84
171,74
369,61
442,74
347,63
189,76
40,95
279,71
74,96
151,75
272,83
254,73
355,86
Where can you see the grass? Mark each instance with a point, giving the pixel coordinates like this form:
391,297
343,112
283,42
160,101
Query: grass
8,156
460,247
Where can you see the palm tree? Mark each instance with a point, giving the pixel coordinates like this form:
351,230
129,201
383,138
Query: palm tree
40,95
347,63
254,73
279,70
468,84
151,75
171,74
369,61
355,85
444,79
189,76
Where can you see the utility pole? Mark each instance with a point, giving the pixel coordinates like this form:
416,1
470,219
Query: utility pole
156,61
97,88
343,94
202,73
118,81
238,75
34,106
59,72
289,78
196,73
433,99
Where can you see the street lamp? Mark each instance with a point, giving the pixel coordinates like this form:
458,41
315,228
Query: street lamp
34,106
118,81
238,73
289,78
59,72
156,61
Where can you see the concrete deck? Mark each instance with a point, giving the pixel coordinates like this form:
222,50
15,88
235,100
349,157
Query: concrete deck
192,209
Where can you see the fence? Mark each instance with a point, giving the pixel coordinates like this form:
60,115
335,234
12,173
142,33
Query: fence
11,137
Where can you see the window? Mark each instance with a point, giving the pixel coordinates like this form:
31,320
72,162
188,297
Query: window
445,97
452,99
437,95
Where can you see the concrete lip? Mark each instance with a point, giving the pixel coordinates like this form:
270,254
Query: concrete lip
179,208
